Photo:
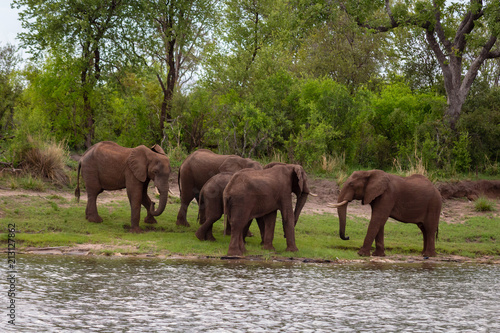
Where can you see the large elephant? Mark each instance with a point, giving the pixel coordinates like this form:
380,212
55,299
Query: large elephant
412,199
198,168
211,206
259,194
109,166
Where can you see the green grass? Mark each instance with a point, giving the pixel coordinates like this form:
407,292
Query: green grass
483,205
52,220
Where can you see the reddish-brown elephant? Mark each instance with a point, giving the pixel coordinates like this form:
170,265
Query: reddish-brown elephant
211,207
259,194
198,168
109,166
412,199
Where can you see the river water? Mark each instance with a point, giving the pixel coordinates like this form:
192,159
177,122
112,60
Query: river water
95,294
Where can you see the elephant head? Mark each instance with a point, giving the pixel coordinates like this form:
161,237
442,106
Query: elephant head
300,188
152,164
299,185
361,185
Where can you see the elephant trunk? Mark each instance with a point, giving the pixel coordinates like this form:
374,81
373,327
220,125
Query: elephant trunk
301,201
161,205
342,211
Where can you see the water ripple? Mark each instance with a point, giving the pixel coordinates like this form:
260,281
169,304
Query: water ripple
108,295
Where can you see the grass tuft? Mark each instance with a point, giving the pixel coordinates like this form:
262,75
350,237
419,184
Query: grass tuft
483,205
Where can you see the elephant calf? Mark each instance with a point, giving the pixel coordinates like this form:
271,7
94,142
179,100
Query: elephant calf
259,194
211,206
109,166
411,199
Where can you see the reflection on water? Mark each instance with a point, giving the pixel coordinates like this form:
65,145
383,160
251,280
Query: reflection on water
108,295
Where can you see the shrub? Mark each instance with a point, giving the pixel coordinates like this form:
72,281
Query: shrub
43,159
483,205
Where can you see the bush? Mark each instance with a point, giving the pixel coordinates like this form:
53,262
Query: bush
42,159
483,205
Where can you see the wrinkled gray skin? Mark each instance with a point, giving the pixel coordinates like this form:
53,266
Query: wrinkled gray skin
198,168
260,194
109,166
211,206
411,199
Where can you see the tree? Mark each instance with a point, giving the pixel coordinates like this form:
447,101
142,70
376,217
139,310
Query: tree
79,32
167,38
452,30
10,90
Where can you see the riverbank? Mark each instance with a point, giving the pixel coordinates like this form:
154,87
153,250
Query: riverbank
52,222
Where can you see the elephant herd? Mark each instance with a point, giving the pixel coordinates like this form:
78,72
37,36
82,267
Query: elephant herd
243,190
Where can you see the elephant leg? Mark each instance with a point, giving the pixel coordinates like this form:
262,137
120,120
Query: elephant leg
238,224
246,231
204,232
91,213
146,202
186,197
269,223
289,223
379,243
262,228
429,234
377,221
135,200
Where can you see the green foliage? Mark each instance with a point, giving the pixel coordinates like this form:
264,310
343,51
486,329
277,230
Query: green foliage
483,205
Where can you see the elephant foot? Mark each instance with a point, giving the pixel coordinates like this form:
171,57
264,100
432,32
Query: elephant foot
364,253
135,230
234,252
183,223
204,237
150,220
94,219
268,247
378,253
429,254
292,249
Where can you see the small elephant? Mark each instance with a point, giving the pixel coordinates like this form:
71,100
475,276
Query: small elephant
109,166
412,199
198,168
211,206
259,194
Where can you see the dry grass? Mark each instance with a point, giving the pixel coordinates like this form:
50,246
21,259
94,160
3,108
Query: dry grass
46,160
415,166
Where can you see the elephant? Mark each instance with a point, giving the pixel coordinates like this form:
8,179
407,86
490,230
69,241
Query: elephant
260,194
198,168
211,206
109,166
412,199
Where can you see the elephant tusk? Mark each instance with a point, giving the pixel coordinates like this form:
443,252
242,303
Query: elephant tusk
337,205
156,191
313,194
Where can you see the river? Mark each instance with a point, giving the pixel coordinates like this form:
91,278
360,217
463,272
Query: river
96,294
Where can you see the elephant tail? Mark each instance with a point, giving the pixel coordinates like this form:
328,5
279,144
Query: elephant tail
77,190
179,182
201,209
227,212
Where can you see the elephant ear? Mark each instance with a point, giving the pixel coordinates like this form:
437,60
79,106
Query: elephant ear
377,184
231,164
301,178
157,149
138,163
